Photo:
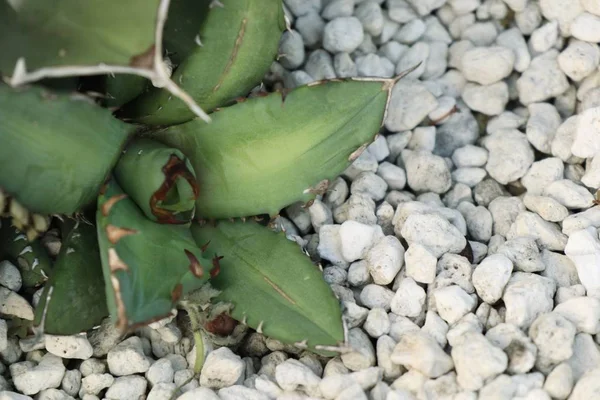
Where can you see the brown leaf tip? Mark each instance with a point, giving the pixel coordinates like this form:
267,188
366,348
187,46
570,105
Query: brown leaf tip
195,266
115,233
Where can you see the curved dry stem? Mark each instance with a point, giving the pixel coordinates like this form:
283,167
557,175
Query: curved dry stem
159,75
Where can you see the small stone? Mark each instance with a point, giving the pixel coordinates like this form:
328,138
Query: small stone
29,379
409,105
10,277
541,174
292,49
441,236
527,296
544,37
520,349
579,59
546,207
469,176
221,368
420,263
127,387
586,27
338,8
491,276
426,172
547,235
300,7
160,372
385,259
488,99
385,347
362,355
452,303
344,65
311,27
524,253
417,53
586,355
482,34
510,155
542,80
553,335
479,221
487,65
343,34
319,65
377,323
409,299
529,18
238,392
542,124
587,386
587,134
559,382
564,11
410,32
469,156
376,296
162,391
75,346
419,351
128,358
491,361
356,239
71,382
14,304
292,374
371,17
513,39
369,184
583,312
569,194
583,249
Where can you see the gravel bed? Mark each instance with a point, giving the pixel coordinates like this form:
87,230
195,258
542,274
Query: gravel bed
463,244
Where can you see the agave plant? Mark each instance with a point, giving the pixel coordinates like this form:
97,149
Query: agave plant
141,141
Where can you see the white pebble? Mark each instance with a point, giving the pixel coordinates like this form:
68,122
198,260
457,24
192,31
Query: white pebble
544,37
292,374
586,27
546,207
541,174
409,105
409,299
419,351
127,358
491,276
547,234
559,382
491,361
452,303
222,368
579,59
75,346
394,176
564,11
343,34
420,263
362,355
553,335
510,155
524,253
587,134
542,124
569,194
377,323
487,99
385,259
542,80
583,248
527,296
487,65
426,172
356,239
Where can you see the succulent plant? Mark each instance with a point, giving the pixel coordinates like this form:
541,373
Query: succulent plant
159,203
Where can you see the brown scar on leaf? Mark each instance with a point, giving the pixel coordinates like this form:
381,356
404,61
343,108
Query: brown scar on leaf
205,246
279,290
173,169
122,321
195,266
308,204
144,60
115,263
319,189
236,48
115,233
356,153
111,202
176,293
216,266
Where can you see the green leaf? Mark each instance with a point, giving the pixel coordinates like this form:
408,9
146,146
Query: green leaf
235,46
147,266
56,149
272,285
265,153
51,33
30,257
77,301
160,180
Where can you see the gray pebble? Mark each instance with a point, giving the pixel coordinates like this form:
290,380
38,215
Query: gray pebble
343,34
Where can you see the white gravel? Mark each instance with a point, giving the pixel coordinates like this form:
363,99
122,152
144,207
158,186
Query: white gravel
463,243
